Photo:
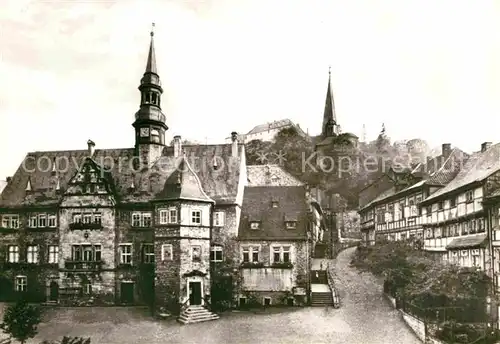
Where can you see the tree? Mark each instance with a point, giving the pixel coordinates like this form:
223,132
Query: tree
20,321
383,142
257,152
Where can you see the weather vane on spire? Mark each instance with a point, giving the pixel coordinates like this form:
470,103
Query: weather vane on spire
152,29
329,70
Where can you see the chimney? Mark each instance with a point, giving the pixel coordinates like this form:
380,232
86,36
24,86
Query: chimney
91,147
177,146
234,146
485,146
446,150
8,179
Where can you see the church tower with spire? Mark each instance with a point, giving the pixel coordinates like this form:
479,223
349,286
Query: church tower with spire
150,122
332,141
330,126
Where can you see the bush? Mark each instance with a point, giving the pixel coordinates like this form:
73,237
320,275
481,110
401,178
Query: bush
442,291
20,321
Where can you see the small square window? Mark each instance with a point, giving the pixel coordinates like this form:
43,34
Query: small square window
267,301
166,252
196,253
196,217
219,219
216,254
21,284
291,225
255,225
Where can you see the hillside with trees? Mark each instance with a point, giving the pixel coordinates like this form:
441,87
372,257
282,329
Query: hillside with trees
352,169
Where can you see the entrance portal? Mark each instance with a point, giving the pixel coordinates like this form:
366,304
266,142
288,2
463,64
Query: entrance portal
195,293
54,291
127,292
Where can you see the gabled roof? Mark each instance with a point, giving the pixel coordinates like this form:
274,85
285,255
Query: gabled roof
183,184
270,175
449,168
437,171
478,167
219,184
271,126
257,206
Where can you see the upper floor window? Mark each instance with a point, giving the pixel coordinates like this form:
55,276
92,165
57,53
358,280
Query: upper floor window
53,254
216,254
196,253
196,217
219,219
32,254
291,225
10,221
168,216
166,252
281,254
453,202
148,253
87,218
429,210
440,205
86,253
250,254
469,196
21,283
13,254
42,220
125,253
141,219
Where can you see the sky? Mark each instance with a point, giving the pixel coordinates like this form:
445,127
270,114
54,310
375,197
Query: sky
69,70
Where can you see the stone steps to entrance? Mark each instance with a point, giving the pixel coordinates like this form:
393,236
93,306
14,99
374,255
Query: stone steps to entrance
321,299
196,314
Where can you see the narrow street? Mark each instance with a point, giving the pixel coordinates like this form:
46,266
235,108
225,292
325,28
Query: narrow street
364,317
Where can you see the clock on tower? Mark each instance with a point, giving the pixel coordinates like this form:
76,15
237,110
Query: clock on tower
144,132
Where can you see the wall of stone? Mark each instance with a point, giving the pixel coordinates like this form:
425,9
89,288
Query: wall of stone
299,260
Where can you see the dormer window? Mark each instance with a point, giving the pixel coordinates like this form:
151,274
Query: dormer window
274,204
254,225
291,224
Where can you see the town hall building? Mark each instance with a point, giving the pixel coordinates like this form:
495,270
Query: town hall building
144,225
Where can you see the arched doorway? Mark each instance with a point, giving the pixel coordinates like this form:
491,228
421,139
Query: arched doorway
54,291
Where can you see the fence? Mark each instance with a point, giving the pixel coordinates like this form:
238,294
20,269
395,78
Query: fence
452,324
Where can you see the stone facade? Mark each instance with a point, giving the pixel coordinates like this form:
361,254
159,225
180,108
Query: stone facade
276,280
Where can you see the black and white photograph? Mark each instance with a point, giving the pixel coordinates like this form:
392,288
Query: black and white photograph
249,171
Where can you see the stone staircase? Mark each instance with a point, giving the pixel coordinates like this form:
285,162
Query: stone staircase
319,277
321,299
196,314
321,294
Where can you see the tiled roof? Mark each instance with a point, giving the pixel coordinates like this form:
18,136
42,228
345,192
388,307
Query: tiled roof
220,184
183,184
437,170
478,167
271,126
387,193
449,168
257,206
270,175
467,241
